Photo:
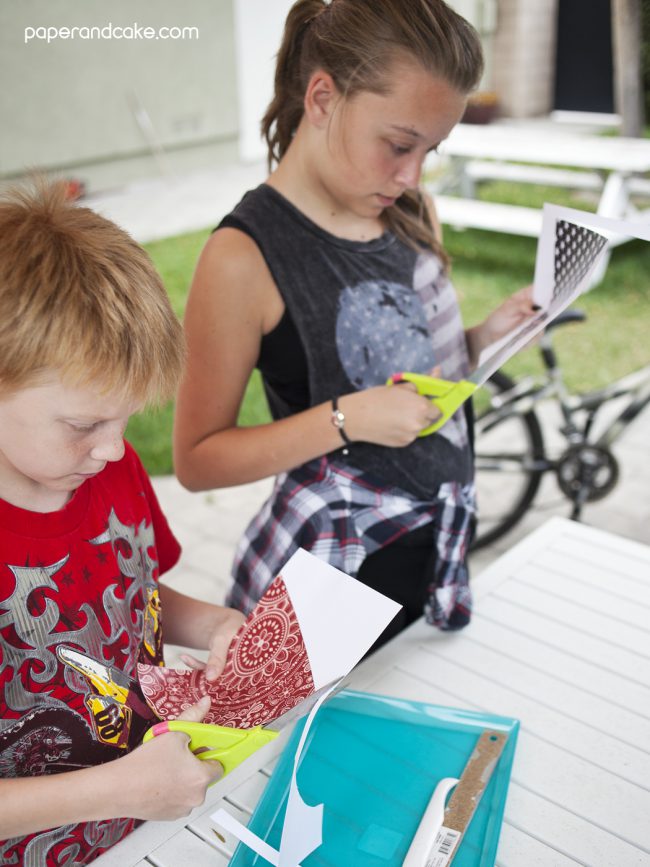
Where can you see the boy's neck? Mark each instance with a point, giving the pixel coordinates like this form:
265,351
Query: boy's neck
29,496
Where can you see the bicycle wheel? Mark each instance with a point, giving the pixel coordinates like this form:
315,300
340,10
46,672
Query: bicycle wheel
509,460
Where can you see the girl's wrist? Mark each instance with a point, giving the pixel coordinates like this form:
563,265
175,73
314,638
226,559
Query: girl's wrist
338,419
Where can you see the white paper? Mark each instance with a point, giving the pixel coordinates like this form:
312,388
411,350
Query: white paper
234,826
555,286
302,831
339,617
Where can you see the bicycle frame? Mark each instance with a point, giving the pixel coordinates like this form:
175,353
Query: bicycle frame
640,398
527,395
528,392
585,467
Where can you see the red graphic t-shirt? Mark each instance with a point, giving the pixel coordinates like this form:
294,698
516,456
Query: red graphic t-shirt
79,608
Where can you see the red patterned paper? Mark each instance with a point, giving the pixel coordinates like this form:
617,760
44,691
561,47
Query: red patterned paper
267,671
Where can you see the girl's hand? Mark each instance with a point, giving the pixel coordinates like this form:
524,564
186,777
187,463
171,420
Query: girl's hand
507,316
163,779
224,632
387,415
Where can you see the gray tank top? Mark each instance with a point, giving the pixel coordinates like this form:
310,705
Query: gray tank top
363,311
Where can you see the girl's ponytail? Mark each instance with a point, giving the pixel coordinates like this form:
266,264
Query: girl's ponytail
285,109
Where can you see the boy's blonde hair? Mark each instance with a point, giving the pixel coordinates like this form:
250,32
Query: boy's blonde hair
80,297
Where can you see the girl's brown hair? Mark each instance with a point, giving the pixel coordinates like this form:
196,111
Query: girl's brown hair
356,42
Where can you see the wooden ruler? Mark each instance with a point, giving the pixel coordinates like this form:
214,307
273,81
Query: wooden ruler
435,844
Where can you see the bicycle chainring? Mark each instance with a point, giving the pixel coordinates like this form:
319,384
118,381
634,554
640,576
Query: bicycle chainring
587,468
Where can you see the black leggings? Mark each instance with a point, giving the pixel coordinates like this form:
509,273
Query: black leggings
402,571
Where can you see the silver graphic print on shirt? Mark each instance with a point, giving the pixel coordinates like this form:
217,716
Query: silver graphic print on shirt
384,328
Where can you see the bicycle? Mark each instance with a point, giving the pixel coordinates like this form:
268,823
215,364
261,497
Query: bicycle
512,455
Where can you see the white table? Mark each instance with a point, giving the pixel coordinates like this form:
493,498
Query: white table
611,166
560,639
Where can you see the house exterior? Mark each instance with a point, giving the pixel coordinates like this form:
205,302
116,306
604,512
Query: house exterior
110,109
553,55
108,104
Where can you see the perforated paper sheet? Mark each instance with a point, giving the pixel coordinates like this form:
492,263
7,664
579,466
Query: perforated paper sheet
569,248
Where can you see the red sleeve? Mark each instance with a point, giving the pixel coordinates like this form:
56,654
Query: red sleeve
167,545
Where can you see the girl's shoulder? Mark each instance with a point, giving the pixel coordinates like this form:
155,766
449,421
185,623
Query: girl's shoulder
233,281
229,261
241,233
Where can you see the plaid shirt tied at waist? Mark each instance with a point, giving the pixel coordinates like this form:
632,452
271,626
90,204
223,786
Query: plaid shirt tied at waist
340,515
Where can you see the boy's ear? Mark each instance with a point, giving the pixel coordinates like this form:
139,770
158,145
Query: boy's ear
321,95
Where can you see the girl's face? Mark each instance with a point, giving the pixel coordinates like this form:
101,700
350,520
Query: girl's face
375,144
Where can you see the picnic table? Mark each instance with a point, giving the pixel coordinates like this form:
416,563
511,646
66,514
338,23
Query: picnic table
614,168
559,640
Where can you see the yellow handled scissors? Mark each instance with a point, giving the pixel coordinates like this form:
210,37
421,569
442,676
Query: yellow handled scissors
232,746
227,745
447,396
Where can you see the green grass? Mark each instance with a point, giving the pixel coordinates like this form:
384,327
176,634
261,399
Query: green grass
486,268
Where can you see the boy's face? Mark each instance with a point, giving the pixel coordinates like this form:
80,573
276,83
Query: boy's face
53,437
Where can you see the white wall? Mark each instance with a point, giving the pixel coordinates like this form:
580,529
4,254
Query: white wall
482,14
70,103
69,106
258,31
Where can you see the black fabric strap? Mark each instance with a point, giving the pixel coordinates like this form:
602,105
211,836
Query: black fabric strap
338,420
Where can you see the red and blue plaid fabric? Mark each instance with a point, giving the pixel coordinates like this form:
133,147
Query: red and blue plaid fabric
341,516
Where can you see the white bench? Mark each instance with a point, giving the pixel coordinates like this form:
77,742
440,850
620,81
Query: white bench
492,216
488,170
611,166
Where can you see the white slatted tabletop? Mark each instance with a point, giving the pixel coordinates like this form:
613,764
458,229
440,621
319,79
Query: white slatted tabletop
560,640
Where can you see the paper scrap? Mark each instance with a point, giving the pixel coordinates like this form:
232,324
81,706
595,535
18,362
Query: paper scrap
302,831
234,826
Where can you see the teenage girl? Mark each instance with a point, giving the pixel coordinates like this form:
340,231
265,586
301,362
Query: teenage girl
330,277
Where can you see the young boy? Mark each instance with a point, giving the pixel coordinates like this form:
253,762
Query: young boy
87,337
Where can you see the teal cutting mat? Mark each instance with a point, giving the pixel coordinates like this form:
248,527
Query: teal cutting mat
374,762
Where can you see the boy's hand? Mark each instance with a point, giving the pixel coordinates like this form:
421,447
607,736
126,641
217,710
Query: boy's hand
226,627
192,623
165,780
